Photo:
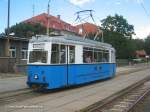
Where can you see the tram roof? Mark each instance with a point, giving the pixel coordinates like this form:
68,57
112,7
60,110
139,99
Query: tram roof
69,39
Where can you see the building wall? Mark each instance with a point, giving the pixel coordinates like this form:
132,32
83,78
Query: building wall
7,64
19,45
2,48
12,64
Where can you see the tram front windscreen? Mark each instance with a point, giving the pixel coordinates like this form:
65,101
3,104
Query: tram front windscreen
38,56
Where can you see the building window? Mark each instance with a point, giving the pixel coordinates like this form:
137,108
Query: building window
12,52
24,53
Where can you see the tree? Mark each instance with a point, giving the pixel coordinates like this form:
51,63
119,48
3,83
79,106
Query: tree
125,48
139,44
147,45
118,24
25,30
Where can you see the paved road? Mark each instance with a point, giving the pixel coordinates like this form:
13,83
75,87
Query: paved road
75,99
12,84
16,83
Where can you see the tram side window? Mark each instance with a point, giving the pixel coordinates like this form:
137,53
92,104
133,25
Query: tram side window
93,55
97,55
58,54
105,56
55,54
62,54
87,55
71,54
113,56
95,59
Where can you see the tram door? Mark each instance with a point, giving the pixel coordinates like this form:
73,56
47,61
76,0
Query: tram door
59,69
71,65
62,60
111,66
67,56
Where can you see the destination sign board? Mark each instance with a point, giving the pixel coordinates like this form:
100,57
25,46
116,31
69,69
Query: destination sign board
38,46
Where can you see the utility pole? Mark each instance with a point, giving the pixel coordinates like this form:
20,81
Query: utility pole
33,10
8,19
8,31
48,23
102,36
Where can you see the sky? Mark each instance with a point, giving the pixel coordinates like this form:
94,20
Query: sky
137,12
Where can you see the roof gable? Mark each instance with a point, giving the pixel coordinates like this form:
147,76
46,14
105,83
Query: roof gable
54,22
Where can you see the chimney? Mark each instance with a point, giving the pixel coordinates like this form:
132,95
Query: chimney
58,16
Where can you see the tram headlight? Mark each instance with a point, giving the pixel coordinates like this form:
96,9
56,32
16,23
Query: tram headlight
35,76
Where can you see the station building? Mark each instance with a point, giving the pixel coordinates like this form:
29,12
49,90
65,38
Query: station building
13,54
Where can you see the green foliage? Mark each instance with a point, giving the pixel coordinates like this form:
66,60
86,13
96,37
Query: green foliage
139,44
119,33
147,45
118,24
25,30
124,47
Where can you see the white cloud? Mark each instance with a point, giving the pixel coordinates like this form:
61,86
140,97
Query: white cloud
142,32
80,2
137,1
118,3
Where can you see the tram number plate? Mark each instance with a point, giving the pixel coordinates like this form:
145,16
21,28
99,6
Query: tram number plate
38,46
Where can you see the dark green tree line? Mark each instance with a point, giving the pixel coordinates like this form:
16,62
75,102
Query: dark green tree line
25,30
147,45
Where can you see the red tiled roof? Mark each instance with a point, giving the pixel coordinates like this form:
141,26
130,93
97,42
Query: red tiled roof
86,28
54,22
141,53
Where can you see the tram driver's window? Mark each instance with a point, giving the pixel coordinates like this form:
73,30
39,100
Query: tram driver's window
71,54
55,54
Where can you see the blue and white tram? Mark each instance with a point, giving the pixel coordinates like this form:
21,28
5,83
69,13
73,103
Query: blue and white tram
55,62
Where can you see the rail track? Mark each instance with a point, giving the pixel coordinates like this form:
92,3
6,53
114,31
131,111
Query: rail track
24,94
123,101
19,95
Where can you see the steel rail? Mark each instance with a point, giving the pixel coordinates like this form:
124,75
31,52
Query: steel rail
111,104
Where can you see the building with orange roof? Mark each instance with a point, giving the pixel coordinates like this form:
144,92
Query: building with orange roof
140,53
54,23
87,28
59,25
